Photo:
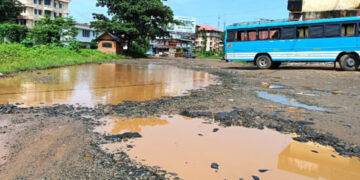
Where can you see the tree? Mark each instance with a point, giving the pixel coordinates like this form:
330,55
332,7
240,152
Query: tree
135,21
12,33
10,10
47,30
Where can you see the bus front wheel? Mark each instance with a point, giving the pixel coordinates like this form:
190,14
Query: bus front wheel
349,62
264,62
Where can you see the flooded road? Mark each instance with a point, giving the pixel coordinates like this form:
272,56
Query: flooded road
93,84
189,147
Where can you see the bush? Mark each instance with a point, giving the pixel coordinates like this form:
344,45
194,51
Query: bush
17,57
139,48
12,33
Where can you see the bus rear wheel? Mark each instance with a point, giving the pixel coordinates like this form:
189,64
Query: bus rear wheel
349,62
264,62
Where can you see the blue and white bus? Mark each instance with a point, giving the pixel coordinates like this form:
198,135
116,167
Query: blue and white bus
267,45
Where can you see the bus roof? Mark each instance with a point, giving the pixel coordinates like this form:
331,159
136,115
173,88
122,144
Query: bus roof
295,23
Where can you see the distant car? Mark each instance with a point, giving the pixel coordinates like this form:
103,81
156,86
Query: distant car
189,55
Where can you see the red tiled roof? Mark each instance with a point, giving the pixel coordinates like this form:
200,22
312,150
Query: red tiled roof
207,28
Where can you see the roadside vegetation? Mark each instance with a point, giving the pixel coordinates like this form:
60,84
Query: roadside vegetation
51,43
16,57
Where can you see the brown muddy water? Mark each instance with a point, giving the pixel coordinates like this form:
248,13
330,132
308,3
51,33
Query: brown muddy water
88,85
188,147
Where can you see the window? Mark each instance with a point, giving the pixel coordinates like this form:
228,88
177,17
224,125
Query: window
35,11
288,33
60,6
302,32
40,2
22,22
275,34
94,34
86,33
54,4
231,35
35,1
107,45
60,14
40,12
332,30
241,36
348,30
316,31
47,12
251,35
47,2
55,15
263,34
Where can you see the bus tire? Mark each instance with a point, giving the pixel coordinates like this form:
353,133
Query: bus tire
264,62
275,65
349,62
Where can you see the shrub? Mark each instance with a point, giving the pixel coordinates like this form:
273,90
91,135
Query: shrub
12,33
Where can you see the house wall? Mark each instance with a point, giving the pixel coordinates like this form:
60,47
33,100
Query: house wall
328,5
80,36
112,50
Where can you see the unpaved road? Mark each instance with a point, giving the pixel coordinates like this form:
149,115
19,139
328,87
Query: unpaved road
58,143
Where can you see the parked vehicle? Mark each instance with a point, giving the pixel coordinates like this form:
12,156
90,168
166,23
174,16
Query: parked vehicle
268,45
189,55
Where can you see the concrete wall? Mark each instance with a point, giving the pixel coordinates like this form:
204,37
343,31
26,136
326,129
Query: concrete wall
328,5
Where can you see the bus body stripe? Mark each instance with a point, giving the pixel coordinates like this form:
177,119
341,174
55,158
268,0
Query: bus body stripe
316,55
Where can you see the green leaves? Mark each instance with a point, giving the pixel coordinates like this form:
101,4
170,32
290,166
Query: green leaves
10,10
51,31
11,33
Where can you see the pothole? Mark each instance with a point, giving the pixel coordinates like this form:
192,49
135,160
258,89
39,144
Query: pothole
201,149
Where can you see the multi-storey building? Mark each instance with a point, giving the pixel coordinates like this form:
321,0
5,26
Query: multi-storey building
36,9
208,37
321,9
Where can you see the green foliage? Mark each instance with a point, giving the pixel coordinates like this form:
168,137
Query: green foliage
50,31
17,57
12,33
134,20
139,48
10,10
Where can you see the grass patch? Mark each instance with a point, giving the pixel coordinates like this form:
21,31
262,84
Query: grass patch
16,57
201,56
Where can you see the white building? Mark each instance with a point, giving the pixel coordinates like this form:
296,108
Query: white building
86,34
35,9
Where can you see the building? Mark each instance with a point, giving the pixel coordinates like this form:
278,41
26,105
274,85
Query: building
109,43
181,39
208,39
35,9
86,35
322,9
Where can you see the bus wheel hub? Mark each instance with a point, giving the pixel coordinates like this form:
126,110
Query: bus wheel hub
350,62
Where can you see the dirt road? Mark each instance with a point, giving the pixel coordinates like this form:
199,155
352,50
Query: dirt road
58,142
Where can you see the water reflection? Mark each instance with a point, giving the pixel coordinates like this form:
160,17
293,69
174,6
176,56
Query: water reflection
106,84
298,158
174,144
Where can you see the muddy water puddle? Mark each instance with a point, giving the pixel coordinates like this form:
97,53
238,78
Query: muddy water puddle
278,98
189,147
93,84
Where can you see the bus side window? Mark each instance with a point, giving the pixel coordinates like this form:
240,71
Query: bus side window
332,30
348,30
288,33
274,34
251,35
230,36
317,31
241,36
302,32
263,34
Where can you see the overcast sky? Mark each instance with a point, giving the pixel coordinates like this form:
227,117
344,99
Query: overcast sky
205,11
